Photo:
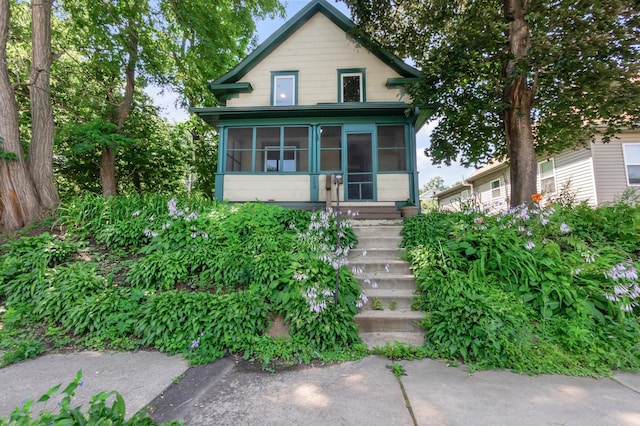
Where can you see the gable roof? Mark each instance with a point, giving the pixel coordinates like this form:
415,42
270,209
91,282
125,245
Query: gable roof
228,83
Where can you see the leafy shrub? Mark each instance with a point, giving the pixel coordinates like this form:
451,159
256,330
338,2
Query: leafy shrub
197,278
536,288
179,321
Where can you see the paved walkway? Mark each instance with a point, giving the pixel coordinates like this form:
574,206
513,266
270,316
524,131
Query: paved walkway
351,393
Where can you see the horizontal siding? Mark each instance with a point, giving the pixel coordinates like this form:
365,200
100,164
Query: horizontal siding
608,164
453,202
574,174
317,50
266,187
482,191
392,187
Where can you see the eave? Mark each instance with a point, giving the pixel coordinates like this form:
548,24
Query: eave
222,90
291,26
377,109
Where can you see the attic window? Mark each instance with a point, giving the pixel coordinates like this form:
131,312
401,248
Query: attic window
284,88
351,85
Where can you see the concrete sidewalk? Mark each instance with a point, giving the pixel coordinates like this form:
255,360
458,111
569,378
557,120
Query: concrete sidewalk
138,376
351,393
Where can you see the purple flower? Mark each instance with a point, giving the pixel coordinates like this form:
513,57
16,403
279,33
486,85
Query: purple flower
195,343
529,245
564,228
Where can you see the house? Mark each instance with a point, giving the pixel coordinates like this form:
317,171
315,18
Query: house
596,174
310,103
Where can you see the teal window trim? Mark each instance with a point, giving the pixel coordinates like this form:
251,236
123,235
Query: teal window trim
277,74
258,161
352,72
405,149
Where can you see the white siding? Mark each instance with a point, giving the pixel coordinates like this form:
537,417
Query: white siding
317,50
393,187
608,165
483,192
574,172
266,188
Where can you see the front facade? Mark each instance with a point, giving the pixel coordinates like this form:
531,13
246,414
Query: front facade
311,103
597,174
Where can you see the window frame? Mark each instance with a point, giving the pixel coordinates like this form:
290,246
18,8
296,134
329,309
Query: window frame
281,150
351,72
275,76
301,149
493,190
629,162
553,176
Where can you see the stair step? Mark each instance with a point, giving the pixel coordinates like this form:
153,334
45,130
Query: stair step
387,280
376,253
401,297
380,339
389,321
377,231
379,242
370,266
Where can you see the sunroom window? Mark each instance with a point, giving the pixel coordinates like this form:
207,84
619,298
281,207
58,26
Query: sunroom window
331,148
632,162
392,155
268,149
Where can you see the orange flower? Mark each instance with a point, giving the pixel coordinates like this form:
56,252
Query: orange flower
536,198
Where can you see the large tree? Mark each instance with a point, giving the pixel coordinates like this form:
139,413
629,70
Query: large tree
27,190
127,44
515,78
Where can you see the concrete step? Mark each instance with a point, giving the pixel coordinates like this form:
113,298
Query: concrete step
370,266
389,321
379,242
377,231
380,339
387,296
376,253
387,280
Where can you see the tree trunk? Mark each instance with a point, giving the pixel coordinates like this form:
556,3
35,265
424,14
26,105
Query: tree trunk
108,160
19,204
41,148
518,97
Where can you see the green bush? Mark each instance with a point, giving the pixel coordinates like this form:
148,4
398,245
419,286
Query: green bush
187,276
551,289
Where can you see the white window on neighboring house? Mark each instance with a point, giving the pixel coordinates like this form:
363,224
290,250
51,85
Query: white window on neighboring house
547,174
495,188
631,152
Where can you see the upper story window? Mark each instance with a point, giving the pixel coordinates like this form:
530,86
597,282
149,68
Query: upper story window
495,188
351,85
284,88
631,152
547,173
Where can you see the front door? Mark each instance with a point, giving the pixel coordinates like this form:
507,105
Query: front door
359,179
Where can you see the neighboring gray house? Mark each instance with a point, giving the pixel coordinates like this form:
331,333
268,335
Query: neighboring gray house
596,174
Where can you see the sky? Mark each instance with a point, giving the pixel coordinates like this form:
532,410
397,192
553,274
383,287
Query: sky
426,171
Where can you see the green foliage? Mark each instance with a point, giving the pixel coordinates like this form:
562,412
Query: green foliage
98,412
180,321
198,278
397,369
577,86
399,350
533,289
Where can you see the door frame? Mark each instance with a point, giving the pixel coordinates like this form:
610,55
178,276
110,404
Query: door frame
369,129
